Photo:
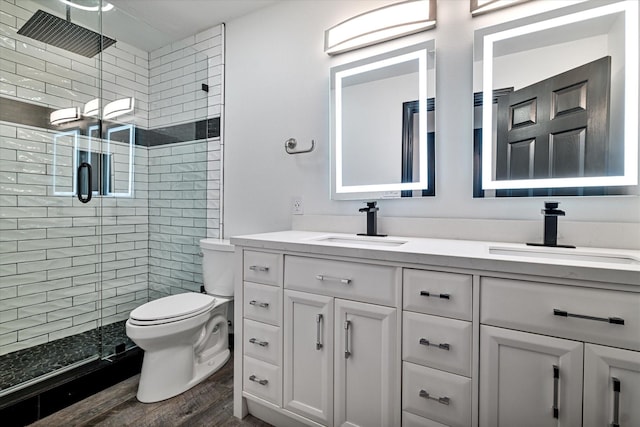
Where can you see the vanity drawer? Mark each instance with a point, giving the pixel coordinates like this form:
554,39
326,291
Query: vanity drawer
350,280
433,292
412,420
262,267
586,314
262,341
437,342
454,392
262,380
262,303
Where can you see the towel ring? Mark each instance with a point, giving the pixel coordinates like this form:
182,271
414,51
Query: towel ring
291,143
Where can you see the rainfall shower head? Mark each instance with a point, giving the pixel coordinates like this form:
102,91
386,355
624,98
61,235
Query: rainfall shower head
50,29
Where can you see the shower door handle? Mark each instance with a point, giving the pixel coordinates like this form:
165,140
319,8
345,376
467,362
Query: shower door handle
80,181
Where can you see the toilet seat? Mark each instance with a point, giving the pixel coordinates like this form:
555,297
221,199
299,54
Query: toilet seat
172,308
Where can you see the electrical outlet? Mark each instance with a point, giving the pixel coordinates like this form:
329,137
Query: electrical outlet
296,205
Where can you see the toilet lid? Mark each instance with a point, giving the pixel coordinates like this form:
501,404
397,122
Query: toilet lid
179,305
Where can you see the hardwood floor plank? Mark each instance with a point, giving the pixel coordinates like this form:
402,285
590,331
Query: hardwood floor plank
210,403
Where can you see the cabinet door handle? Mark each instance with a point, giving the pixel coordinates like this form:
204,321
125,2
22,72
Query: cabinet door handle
259,304
347,327
613,320
258,268
260,343
444,400
616,402
443,346
431,294
556,383
319,319
258,380
322,277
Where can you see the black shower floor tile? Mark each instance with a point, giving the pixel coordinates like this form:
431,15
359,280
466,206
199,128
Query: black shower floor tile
31,363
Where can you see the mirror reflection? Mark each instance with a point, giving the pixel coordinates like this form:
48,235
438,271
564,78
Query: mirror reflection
383,125
563,91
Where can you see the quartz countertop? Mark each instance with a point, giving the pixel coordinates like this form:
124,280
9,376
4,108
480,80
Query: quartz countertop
609,266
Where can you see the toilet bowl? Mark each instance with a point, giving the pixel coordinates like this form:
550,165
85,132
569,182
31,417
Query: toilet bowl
185,336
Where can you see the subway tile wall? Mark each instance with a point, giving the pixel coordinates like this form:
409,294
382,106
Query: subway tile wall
177,216
38,73
55,249
176,75
65,265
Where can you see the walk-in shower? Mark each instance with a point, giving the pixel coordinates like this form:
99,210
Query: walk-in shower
109,175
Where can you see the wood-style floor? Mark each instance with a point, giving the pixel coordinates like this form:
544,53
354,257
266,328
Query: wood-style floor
210,403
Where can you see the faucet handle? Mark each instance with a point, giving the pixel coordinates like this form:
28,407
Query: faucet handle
371,207
551,205
551,209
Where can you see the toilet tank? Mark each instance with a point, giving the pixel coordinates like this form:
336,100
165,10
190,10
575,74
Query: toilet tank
217,266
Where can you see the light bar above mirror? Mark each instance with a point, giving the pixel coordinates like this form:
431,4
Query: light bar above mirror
379,25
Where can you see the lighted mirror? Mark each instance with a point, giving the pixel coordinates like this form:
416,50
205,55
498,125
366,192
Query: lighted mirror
556,103
382,125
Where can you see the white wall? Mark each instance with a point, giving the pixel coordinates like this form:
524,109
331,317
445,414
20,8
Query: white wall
277,87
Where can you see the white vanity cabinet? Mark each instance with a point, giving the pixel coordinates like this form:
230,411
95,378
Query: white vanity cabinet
262,319
437,347
407,336
537,340
341,353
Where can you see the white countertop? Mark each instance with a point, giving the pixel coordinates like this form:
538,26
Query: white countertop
613,266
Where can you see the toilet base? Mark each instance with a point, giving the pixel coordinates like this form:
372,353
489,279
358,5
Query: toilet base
172,382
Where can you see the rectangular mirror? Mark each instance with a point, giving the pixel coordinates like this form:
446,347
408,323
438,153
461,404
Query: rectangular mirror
556,102
383,133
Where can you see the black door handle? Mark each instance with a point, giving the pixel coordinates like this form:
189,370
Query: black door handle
79,182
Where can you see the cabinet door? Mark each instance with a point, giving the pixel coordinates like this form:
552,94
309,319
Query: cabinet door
308,355
519,382
367,387
611,384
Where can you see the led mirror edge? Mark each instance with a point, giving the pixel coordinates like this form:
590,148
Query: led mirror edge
630,177
339,191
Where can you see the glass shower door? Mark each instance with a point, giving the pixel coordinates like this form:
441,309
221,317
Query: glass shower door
50,232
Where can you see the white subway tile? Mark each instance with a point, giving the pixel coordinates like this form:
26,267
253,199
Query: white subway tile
24,334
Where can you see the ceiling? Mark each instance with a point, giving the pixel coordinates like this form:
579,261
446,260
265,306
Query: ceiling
173,20
152,24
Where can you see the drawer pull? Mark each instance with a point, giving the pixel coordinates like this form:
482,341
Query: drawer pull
616,402
612,320
319,318
443,346
429,294
347,326
258,268
556,383
322,277
444,400
259,304
258,380
260,343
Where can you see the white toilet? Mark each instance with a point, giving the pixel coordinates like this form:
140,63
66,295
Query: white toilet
185,336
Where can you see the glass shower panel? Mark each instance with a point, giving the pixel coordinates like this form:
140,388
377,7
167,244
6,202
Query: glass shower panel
50,241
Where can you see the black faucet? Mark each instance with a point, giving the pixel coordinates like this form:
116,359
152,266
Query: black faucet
372,220
551,214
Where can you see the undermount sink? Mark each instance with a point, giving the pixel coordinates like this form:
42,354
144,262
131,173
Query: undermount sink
362,241
564,254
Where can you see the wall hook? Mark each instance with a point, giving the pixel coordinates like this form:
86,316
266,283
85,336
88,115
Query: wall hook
291,143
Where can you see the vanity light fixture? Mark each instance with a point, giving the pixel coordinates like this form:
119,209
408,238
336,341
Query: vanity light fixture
378,25
91,108
118,107
478,7
78,5
64,115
